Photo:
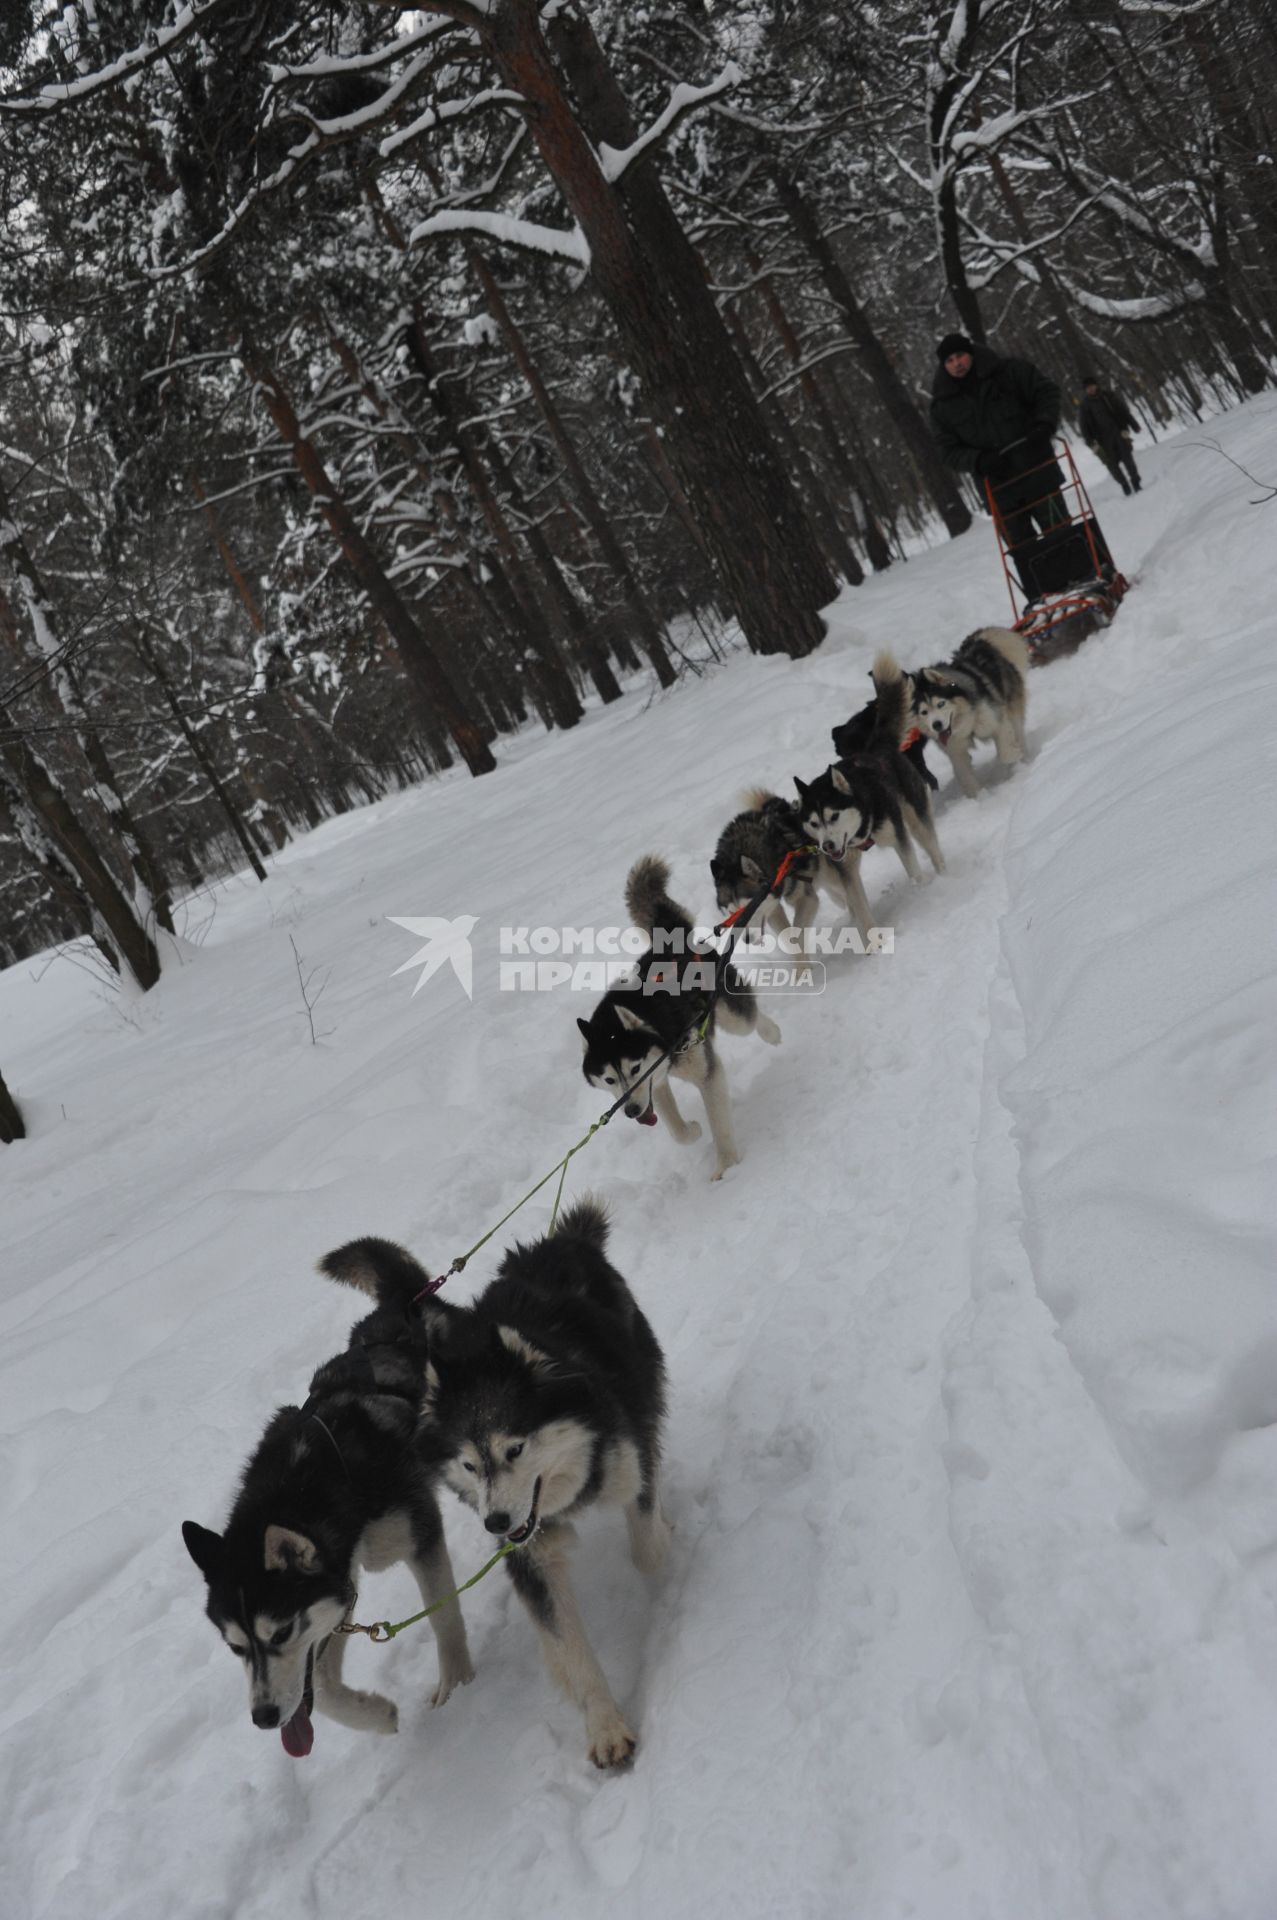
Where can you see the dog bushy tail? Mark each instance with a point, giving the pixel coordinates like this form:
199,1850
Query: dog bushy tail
754,799
647,897
379,1268
588,1220
892,703
1008,643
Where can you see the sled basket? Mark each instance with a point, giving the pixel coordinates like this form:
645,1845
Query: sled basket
1062,582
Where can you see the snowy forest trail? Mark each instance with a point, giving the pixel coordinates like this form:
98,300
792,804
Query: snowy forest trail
971,1612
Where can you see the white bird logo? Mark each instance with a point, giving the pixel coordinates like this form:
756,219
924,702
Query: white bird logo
446,940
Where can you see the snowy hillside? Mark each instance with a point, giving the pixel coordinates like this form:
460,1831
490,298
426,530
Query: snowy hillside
972,1608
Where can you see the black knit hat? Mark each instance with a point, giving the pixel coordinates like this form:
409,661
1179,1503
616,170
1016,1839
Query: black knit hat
953,343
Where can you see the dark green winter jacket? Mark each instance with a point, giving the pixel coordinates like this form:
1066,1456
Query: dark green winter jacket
999,401
1103,419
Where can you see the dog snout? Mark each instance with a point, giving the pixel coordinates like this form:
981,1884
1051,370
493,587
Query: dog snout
495,1523
827,846
632,1109
265,1717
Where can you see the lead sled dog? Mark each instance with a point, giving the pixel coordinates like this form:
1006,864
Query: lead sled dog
543,1398
333,1485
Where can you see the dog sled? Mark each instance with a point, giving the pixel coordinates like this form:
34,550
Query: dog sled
1063,583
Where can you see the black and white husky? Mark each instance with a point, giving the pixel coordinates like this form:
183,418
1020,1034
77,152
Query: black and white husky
544,1397
634,1025
877,796
333,1485
980,694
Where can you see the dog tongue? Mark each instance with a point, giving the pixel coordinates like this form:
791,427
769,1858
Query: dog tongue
297,1734
647,1119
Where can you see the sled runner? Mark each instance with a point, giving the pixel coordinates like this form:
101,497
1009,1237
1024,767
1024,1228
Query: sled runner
1064,576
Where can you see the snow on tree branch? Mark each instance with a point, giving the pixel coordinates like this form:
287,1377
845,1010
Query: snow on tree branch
158,46
682,101
560,243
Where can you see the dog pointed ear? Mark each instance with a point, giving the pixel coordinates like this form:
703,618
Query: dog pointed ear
839,780
587,1033
204,1547
289,1552
802,790
630,1020
522,1349
750,868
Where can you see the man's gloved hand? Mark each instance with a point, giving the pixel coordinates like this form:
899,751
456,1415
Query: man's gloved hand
1036,450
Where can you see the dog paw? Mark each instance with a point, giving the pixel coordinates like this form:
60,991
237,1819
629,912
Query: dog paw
460,1674
768,1030
611,1742
732,1160
369,1713
651,1548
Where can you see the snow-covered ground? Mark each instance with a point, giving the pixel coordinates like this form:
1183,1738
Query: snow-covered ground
972,1609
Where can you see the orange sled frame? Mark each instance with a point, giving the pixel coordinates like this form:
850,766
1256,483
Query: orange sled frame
1056,618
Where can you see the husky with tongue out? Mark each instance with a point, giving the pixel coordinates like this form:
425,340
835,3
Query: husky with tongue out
545,1397
333,1485
669,1005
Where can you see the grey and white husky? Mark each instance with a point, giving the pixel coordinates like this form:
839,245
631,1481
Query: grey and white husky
980,694
749,853
634,1025
333,1485
544,1397
875,796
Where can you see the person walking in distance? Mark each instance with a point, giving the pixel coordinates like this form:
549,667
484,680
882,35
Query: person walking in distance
1106,424
995,416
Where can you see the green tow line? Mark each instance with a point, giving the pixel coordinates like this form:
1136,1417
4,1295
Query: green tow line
383,1630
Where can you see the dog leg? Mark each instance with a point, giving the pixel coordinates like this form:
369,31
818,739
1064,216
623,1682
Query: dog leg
925,828
365,1712
684,1131
432,1571
719,1111
540,1577
908,858
649,1533
742,1014
806,902
960,761
857,899
1006,741
775,917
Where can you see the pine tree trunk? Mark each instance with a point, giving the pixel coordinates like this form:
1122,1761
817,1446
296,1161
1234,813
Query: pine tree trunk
131,853
199,752
888,385
11,1123
832,532
570,612
272,819
649,631
557,691
432,685
1074,345
105,899
875,544
654,286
